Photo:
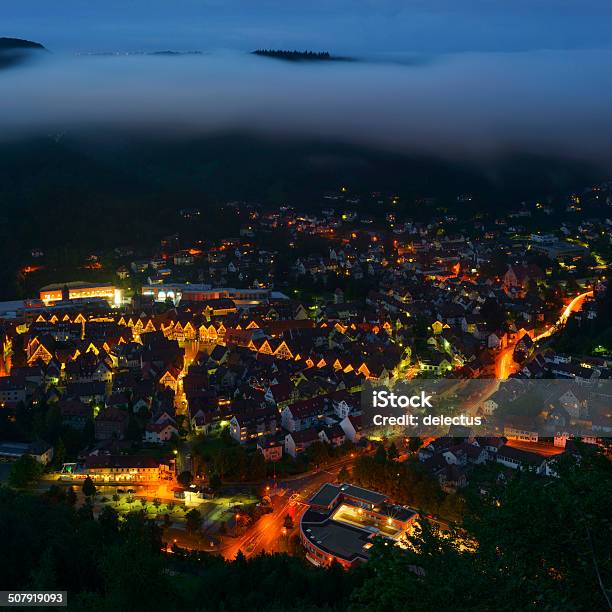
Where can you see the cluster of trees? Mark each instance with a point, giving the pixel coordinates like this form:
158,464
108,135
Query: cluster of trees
293,55
225,459
320,453
25,471
405,482
50,544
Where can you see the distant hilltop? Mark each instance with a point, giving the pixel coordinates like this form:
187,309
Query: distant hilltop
130,53
16,44
14,51
167,52
295,55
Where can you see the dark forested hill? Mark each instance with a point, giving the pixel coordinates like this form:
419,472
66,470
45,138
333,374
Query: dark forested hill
16,50
72,194
10,44
294,55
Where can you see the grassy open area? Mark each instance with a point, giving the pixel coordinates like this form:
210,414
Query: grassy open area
131,503
213,511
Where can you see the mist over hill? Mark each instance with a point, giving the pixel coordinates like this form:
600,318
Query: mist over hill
460,107
14,51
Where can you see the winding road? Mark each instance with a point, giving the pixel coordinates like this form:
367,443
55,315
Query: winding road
505,364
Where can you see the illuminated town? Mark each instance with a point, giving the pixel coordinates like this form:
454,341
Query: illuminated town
243,403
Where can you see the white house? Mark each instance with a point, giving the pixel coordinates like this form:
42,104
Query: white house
518,459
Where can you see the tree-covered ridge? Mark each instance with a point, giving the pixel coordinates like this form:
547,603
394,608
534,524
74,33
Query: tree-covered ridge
137,189
14,51
18,43
294,55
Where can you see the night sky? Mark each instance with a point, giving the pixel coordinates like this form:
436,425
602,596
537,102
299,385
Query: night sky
347,26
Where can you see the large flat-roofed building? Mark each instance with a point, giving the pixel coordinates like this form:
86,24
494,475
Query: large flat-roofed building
343,520
328,495
79,290
559,249
205,293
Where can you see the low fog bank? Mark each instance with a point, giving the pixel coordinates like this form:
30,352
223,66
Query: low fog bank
467,106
